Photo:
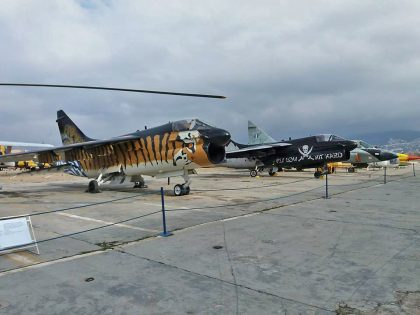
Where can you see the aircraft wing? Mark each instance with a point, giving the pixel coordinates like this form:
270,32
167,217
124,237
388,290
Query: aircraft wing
257,150
25,144
58,153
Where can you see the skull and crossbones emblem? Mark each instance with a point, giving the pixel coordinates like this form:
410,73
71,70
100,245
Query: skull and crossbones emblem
305,151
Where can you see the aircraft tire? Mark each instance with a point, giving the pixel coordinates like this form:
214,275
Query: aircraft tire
178,190
317,174
139,185
187,190
271,173
253,173
93,187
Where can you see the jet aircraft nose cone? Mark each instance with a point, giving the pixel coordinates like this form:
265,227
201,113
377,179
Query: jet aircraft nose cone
382,155
386,156
216,136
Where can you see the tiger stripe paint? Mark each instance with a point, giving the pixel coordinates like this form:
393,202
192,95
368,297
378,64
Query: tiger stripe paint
144,150
150,149
123,148
120,155
165,147
169,149
157,148
140,150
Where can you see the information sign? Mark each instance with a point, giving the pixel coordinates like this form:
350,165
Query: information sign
16,233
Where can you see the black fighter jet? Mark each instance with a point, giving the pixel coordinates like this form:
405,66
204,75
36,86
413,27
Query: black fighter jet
309,152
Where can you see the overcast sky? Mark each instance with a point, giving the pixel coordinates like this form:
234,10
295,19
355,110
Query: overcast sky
293,67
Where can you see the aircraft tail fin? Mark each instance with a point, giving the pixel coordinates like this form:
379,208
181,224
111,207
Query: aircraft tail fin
257,135
2,150
69,132
233,146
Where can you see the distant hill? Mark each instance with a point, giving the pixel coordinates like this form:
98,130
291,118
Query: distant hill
382,138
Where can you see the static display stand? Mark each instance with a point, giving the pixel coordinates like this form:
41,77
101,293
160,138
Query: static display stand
17,234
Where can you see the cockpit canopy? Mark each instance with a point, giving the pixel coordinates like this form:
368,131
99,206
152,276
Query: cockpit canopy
363,145
193,124
329,138
215,138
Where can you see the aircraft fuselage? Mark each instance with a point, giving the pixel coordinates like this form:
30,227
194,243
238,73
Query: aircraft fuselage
161,150
301,153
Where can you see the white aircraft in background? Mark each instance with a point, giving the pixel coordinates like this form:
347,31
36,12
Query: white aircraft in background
6,148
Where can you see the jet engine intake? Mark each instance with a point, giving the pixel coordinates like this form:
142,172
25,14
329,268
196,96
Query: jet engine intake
215,153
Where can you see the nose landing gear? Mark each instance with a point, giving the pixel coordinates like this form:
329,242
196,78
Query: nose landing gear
317,174
183,189
180,190
321,171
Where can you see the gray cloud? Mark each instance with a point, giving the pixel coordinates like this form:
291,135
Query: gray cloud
293,67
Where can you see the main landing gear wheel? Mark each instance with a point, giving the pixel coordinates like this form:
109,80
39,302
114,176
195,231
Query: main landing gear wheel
272,173
253,173
317,174
180,190
139,185
93,187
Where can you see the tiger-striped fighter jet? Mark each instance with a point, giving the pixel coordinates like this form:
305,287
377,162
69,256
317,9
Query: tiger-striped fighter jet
173,149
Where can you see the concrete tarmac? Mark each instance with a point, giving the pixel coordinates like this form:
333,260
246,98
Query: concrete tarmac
241,245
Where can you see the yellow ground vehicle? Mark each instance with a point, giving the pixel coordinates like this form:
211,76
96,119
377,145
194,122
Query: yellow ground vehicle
31,165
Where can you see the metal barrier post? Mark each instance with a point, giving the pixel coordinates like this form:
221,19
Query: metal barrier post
414,170
165,233
385,175
326,185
